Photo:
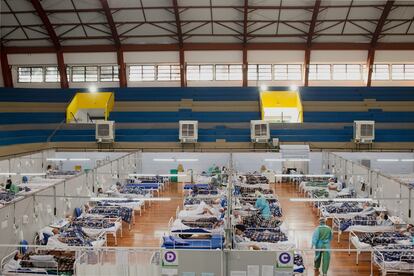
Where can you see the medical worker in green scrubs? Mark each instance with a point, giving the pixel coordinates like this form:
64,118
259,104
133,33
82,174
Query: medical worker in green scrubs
321,239
262,205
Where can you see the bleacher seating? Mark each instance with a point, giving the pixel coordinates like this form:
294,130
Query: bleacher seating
151,114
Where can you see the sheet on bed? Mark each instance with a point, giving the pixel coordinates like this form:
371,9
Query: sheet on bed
395,260
109,211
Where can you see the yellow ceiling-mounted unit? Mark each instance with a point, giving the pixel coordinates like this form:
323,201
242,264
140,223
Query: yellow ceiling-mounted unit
281,106
90,107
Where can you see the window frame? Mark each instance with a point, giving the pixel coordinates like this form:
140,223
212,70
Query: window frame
31,74
403,72
347,72
317,70
85,73
114,74
374,73
287,72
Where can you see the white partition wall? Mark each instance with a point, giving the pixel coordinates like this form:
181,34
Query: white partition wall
390,192
162,163
26,215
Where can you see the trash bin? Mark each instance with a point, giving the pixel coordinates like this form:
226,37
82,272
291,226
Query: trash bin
174,178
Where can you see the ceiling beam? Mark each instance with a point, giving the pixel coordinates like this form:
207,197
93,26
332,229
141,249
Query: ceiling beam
375,37
5,68
46,23
183,79
55,40
245,63
178,22
311,32
111,23
117,41
252,7
409,46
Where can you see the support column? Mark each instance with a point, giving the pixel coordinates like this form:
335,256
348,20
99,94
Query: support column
306,67
5,69
183,77
245,67
62,70
122,68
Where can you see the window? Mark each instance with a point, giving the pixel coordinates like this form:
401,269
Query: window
109,73
402,71
319,71
346,72
142,73
52,74
200,72
252,72
229,72
168,72
30,74
381,72
84,73
287,72
264,71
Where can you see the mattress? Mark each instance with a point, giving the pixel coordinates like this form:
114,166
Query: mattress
254,186
369,228
191,186
95,232
54,242
358,244
133,205
284,245
145,186
179,227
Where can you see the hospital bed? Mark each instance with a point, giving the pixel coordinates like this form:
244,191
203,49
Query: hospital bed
75,237
195,214
364,241
136,205
41,263
181,227
94,226
394,258
208,242
125,213
359,224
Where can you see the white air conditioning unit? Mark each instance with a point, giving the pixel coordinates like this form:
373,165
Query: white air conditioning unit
188,131
275,142
105,131
364,132
259,131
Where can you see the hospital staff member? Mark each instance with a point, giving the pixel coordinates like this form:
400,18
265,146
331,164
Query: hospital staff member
262,205
321,239
12,187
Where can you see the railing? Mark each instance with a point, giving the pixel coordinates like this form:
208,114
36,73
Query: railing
148,261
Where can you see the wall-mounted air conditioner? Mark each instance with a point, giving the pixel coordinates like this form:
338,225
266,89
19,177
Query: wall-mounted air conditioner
275,142
259,131
188,131
105,131
364,132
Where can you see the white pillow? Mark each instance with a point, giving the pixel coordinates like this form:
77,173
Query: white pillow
44,258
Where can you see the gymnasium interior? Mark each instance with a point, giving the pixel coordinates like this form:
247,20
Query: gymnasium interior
206,137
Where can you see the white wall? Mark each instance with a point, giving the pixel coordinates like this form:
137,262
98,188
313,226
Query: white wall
213,57
383,167
88,164
205,161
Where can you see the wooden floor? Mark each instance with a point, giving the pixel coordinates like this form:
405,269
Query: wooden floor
300,217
